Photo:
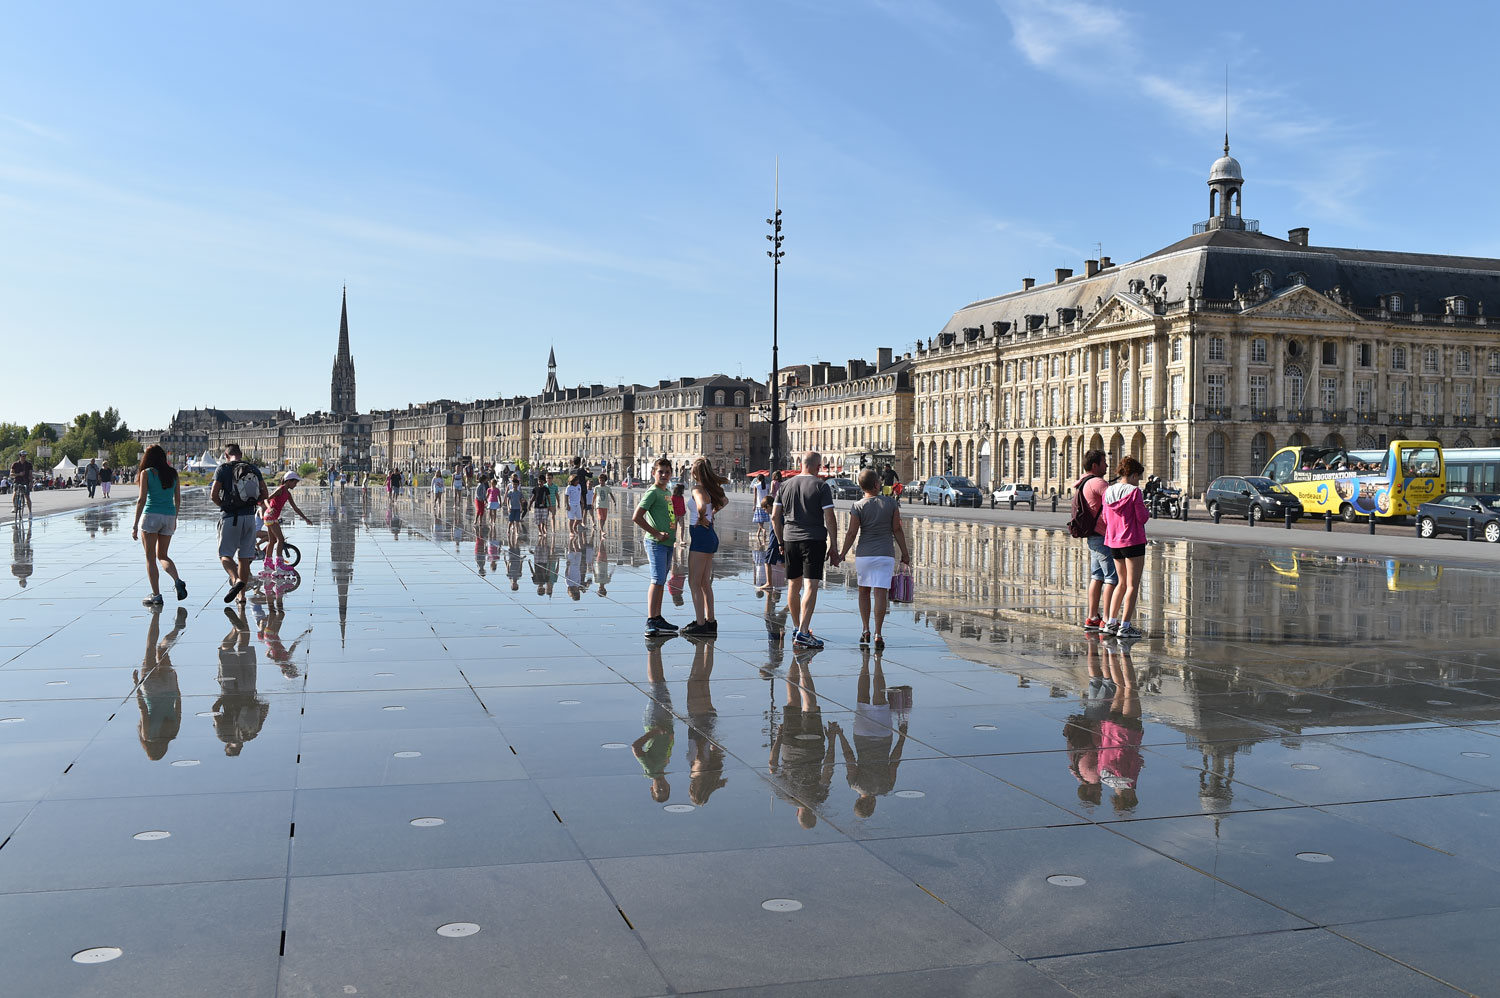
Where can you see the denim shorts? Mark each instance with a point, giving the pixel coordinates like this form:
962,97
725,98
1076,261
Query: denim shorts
659,561
1101,562
704,540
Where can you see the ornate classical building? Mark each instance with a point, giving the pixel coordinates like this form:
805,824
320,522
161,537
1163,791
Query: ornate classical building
1204,357
688,417
341,402
856,416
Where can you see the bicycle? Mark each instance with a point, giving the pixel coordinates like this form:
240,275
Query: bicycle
292,555
20,497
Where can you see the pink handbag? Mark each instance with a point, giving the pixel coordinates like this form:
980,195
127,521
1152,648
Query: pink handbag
903,589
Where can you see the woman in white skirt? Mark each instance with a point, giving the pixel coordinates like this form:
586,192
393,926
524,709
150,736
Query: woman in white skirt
876,521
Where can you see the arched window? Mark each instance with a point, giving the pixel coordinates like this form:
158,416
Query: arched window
1294,386
1052,458
1260,451
739,398
1398,358
1215,449
1020,461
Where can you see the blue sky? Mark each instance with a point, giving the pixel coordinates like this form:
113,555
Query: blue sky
184,188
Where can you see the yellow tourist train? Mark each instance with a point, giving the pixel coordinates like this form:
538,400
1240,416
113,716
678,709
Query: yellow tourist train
1354,484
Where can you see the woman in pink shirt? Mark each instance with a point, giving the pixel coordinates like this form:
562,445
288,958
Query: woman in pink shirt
1125,535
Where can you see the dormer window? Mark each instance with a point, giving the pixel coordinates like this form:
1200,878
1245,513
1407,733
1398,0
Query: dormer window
1262,279
1297,278
1458,306
1394,303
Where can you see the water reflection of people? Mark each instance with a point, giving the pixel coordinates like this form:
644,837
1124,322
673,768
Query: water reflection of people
1120,732
20,551
239,713
514,562
704,755
1081,730
870,764
654,748
601,563
157,693
543,567
269,619
802,754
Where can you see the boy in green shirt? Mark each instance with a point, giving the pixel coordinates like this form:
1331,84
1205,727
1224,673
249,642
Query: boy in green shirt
654,515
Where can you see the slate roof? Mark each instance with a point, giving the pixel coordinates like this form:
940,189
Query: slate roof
1223,259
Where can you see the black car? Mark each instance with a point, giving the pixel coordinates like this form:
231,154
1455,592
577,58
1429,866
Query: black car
1252,497
1453,513
844,488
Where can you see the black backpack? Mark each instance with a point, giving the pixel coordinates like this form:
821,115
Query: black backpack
244,489
1083,520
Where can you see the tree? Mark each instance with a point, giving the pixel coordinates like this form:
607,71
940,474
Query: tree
44,431
91,432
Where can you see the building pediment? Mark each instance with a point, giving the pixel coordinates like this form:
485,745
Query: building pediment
1302,302
1121,308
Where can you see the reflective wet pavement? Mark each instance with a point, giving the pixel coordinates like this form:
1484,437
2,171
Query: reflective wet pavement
433,763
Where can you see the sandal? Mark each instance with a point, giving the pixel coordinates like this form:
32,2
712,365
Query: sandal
864,639
879,643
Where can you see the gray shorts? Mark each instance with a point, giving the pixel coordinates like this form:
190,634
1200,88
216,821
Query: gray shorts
1101,563
158,523
237,537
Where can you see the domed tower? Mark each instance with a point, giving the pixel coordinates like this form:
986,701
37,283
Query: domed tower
1224,183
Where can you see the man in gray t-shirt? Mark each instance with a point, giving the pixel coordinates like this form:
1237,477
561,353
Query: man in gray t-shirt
803,520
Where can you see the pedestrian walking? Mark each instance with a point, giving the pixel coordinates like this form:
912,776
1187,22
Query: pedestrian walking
552,500
1125,517
707,498
158,492
106,478
653,514
802,518
91,477
237,490
271,510
515,505
604,498
760,513
573,497
1087,523
492,500
876,522
437,493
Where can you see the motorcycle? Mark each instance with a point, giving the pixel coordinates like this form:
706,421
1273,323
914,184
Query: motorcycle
1165,503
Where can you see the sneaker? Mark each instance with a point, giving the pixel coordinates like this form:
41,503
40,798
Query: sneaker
181,590
153,600
664,626
691,628
807,640
1094,625
651,628
1129,631
711,627
1112,628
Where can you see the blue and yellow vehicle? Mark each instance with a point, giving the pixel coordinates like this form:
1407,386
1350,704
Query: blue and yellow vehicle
1354,484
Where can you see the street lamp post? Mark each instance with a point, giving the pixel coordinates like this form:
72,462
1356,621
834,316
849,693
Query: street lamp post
775,254
536,451
640,446
585,455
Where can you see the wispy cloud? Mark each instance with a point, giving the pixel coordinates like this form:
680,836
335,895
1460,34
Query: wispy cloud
31,127
1097,45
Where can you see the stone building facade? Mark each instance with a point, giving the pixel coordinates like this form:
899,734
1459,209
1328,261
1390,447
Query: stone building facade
1207,356
495,431
856,416
591,422
689,417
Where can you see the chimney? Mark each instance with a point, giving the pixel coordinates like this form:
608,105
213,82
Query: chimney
1297,237
1105,263
1027,283
1090,268
1062,274
882,358
853,369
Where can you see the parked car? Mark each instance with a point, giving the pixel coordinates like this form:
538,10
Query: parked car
844,488
912,490
1453,513
951,490
1253,497
1013,490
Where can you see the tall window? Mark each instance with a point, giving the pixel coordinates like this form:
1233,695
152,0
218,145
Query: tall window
1429,360
1177,348
1462,361
1365,355
1052,458
1072,399
1036,404
1215,392
1494,362
1400,398
1125,387
1056,414
1260,451
1147,396
1104,361
1259,391
1054,366
1083,401
1146,352
1104,411
1463,404
1020,461
1364,392
1020,408
1257,351
1330,353
1072,363
1036,458
1215,454
1176,394
1398,358
1492,401
1460,306
1294,386
1005,409
1215,347
1429,398
1328,393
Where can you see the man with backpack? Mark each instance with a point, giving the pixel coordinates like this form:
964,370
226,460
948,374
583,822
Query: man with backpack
1087,524
238,489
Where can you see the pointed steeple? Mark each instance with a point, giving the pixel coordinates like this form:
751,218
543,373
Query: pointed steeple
341,395
551,371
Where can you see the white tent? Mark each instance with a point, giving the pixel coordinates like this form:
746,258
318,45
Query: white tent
65,468
203,462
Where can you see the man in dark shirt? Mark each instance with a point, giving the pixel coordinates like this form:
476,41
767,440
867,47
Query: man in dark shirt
803,520
20,477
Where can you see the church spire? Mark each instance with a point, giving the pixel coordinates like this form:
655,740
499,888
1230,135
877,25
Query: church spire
552,371
341,394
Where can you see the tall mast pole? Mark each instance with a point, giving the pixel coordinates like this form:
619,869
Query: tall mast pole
775,254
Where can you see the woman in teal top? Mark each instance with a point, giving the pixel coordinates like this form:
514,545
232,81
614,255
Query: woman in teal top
159,491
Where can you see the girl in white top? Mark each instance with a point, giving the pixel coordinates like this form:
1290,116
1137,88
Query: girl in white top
706,499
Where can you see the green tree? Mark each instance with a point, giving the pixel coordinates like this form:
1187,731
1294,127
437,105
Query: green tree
91,432
43,432
307,469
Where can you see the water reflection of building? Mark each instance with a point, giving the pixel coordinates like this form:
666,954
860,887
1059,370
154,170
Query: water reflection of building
344,516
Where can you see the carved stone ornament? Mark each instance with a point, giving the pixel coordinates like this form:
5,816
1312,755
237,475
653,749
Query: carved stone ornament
1303,303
